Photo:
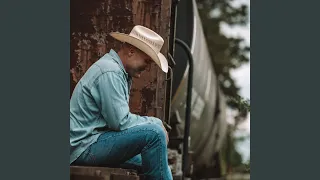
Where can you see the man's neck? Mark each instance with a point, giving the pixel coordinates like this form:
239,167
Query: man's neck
122,59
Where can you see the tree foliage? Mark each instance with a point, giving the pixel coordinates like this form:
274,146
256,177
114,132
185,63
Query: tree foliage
230,155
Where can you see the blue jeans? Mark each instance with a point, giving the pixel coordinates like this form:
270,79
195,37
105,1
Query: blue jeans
142,147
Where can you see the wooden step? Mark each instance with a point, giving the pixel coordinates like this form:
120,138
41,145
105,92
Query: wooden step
101,173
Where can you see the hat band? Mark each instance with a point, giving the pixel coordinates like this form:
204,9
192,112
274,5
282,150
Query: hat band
146,39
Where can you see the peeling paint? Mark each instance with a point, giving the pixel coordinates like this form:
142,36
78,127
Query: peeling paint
92,21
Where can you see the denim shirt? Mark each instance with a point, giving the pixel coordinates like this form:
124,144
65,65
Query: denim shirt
100,103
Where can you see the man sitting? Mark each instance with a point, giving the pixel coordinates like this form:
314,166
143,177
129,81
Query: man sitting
103,132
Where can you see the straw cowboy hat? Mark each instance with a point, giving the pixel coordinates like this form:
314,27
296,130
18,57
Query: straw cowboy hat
147,41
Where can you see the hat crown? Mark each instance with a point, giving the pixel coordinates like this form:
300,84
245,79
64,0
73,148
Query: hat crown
154,40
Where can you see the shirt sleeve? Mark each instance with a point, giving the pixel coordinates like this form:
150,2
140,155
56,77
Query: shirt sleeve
110,95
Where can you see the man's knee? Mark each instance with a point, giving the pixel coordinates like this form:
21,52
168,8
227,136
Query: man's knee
156,132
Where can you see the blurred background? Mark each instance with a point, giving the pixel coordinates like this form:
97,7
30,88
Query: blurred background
226,24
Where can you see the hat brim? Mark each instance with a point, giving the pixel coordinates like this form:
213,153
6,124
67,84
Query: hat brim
158,58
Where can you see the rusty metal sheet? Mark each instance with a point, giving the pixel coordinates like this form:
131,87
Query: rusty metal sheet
92,21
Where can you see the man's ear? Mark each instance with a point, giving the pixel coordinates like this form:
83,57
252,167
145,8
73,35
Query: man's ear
131,51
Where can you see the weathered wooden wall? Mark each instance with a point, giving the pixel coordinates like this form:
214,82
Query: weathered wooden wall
91,23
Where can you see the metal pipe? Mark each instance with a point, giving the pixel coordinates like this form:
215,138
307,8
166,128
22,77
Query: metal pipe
188,108
168,105
173,17
171,62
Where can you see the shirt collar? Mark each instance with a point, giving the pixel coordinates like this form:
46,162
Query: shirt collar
116,57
